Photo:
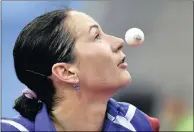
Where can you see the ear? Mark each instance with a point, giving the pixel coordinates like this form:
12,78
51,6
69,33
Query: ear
65,72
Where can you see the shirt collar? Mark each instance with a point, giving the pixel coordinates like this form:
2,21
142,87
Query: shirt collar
112,109
43,121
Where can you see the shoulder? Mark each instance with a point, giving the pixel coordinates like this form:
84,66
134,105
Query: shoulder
126,109
123,107
135,115
16,124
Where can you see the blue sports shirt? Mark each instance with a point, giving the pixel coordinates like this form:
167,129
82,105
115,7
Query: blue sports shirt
120,116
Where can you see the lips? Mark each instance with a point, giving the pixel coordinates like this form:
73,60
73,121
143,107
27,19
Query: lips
122,61
122,64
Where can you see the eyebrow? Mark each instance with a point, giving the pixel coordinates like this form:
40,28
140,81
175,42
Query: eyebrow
93,26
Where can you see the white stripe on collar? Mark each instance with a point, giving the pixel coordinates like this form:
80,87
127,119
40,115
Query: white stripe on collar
130,112
125,121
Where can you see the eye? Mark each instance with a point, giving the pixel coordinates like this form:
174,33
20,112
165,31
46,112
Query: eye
97,37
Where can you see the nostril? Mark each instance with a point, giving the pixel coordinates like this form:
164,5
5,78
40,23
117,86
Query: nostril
118,44
124,59
120,47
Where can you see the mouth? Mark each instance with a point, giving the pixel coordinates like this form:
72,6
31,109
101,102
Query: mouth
122,62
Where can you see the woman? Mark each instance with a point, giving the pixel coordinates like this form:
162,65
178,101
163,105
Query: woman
72,68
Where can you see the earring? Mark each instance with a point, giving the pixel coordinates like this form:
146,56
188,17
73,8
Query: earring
76,87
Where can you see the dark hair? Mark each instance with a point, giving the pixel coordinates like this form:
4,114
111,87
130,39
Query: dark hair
43,42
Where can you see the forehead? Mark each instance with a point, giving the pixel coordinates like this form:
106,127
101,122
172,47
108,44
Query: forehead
80,22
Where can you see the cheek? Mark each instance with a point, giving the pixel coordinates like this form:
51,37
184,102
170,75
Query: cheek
97,66
97,72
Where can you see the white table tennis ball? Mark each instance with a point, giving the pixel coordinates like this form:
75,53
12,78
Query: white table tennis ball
134,37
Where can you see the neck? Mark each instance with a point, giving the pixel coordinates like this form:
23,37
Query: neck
80,110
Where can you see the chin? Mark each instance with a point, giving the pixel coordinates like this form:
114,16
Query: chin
115,82
126,79
122,81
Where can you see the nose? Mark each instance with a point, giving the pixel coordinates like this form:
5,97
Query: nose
118,44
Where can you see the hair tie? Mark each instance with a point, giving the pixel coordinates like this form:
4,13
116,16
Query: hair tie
29,93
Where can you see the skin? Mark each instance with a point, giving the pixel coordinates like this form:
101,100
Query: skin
95,71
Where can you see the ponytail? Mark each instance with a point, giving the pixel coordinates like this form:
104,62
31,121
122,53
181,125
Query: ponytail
27,107
39,90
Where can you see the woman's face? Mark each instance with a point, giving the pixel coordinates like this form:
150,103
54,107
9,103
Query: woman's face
98,55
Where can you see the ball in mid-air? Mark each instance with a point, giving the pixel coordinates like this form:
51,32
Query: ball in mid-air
134,37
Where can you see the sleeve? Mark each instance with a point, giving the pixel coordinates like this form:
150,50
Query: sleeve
155,124
9,125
